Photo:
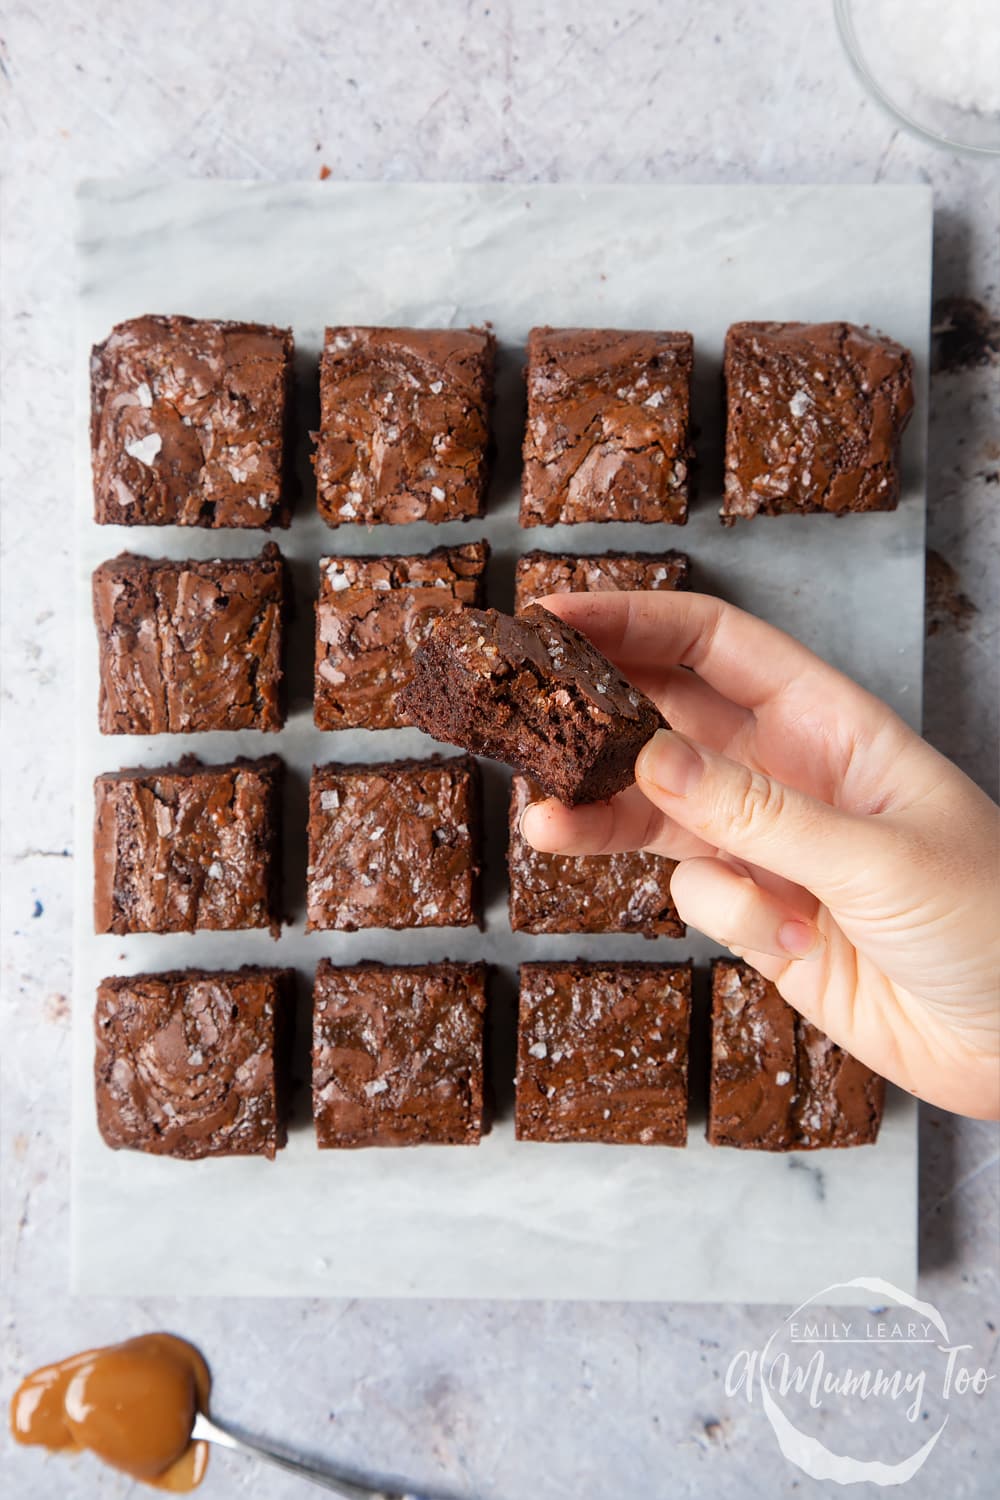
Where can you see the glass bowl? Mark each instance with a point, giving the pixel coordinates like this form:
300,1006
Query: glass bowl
934,65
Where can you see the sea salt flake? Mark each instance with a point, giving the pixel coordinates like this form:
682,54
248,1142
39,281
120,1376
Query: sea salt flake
538,1049
437,493
782,1078
376,1086
144,394
215,871
329,801
145,448
799,404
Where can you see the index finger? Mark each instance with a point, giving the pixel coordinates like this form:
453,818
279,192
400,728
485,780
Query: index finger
746,660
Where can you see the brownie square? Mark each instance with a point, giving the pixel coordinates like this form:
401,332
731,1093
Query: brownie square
398,1054
186,847
394,845
815,414
777,1083
533,692
609,426
404,424
628,892
189,423
371,615
602,1053
195,1062
186,647
538,574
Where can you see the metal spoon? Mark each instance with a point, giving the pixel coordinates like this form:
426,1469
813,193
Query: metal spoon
206,1431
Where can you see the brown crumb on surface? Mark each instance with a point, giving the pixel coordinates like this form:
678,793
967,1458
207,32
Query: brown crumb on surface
324,172
965,334
946,605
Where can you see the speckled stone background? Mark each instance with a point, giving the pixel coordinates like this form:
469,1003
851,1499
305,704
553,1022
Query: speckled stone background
502,1402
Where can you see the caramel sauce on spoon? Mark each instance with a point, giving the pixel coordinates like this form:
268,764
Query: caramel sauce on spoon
131,1404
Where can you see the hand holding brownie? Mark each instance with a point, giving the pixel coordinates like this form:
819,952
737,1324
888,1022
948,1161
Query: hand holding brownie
818,837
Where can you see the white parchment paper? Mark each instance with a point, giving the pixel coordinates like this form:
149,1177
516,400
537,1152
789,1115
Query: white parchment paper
506,1219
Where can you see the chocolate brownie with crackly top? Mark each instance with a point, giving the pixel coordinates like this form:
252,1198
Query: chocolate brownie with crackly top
815,416
626,892
187,847
538,574
190,424
371,615
195,1062
777,1083
608,436
531,691
602,1053
394,845
404,424
398,1054
187,647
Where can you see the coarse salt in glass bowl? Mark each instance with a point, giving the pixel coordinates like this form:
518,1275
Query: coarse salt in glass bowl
933,64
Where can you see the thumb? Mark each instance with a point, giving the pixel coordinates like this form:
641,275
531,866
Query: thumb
755,818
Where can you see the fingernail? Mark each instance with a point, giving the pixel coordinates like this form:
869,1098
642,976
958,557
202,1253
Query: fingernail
522,820
801,939
669,763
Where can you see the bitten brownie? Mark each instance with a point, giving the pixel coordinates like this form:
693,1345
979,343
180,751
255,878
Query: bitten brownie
195,1062
815,414
398,1054
190,646
404,424
778,1084
533,692
609,426
190,424
540,573
628,892
371,615
602,1053
184,847
394,845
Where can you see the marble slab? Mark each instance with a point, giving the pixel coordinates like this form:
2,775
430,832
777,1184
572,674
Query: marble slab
507,1220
